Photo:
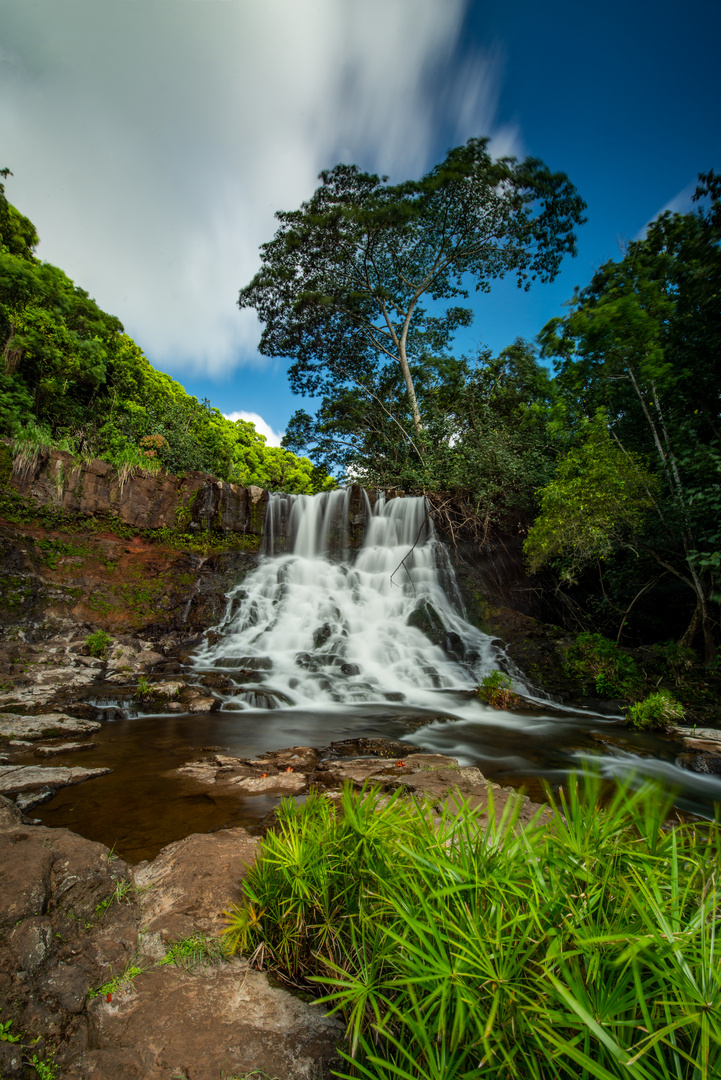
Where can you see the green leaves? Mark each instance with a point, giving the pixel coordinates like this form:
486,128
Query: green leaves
598,499
453,948
343,283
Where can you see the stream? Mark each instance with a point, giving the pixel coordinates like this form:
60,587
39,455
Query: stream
322,644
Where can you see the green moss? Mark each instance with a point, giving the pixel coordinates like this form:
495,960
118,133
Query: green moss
207,543
53,550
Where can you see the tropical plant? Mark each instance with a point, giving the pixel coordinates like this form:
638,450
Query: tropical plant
343,282
98,643
464,946
600,665
640,343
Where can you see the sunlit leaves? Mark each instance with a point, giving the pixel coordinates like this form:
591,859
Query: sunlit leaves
466,947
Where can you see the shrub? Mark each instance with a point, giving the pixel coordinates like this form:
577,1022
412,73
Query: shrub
98,643
32,441
601,666
465,947
495,690
655,712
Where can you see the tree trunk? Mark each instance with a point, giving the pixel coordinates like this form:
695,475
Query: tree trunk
701,623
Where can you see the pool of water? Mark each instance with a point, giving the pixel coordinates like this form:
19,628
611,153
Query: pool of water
145,804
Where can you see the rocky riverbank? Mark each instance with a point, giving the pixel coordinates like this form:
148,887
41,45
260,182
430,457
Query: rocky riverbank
109,972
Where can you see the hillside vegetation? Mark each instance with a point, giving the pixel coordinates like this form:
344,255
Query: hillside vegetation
71,377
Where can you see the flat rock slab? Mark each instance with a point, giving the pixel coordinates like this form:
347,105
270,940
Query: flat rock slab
16,779
284,783
227,1021
62,748
705,733
15,726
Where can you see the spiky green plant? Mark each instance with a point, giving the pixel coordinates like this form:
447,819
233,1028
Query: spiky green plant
656,712
456,946
130,460
30,442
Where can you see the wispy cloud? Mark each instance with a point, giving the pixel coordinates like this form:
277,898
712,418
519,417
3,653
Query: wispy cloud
152,142
682,203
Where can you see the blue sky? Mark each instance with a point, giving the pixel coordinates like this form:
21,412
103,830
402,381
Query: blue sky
152,142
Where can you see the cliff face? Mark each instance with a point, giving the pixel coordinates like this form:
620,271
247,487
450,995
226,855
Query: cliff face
150,552
157,552
143,501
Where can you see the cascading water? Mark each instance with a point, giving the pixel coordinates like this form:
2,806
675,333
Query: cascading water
310,628
323,641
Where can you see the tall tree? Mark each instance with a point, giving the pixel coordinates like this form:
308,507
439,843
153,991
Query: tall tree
643,343
343,282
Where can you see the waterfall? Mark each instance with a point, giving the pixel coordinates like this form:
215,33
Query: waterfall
317,623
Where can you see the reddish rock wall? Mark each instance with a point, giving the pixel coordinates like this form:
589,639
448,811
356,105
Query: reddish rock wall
144,501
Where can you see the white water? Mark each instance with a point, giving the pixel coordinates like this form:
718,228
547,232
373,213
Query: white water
311,630
320,644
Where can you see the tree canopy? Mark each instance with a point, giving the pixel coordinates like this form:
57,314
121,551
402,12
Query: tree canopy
642,342
367,274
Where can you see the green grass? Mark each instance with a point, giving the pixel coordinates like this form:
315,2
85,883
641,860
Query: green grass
123,891
119,982
455,949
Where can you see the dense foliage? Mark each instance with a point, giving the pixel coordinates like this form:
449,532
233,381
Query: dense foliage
70,375
485,439
362,281
454,948
638,361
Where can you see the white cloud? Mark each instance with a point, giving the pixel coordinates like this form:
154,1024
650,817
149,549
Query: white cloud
272,438
152,142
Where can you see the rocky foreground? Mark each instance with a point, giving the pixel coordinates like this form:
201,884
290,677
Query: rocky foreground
85,981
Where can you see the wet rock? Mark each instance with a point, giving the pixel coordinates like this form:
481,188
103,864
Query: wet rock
199,703
11,1060
193,881
350,669
701,762
257,698
454,646
304,758
249,663
10,816
169,689
62,748
216,681
226,1022
16,779
31,943
14,725
147,660
321,635
426,619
